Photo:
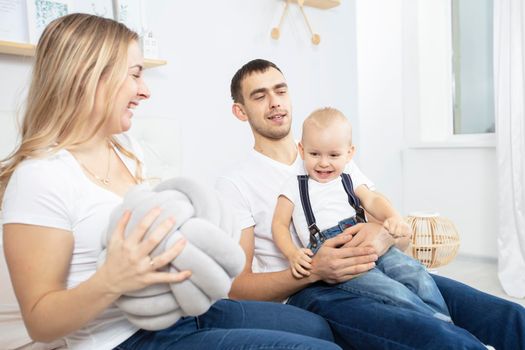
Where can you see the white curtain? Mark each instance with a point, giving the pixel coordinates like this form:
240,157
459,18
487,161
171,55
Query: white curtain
509,81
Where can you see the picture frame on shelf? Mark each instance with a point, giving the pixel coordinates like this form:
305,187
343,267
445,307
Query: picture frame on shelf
133,15
41,12
102,8
129,12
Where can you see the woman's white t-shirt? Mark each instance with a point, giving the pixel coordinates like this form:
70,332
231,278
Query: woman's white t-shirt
55,192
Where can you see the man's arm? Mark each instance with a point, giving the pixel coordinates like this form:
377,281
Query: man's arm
332,263
267,286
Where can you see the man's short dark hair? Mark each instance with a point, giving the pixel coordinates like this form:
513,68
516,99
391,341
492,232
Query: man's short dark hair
257,65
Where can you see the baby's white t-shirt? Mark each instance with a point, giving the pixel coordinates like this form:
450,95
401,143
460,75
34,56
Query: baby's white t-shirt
329,203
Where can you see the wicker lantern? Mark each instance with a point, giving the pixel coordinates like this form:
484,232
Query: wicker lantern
435,240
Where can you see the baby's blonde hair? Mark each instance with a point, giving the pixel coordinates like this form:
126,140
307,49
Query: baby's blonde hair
72,56
323,118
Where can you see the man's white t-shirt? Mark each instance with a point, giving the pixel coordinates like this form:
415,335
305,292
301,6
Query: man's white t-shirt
252,190
55,192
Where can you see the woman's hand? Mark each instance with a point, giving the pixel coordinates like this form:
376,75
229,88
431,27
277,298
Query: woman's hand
128,266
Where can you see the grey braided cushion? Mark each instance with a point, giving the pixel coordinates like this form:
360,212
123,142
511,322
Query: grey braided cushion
211,253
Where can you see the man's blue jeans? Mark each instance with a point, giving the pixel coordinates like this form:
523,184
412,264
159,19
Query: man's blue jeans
360,322
397,279
240,325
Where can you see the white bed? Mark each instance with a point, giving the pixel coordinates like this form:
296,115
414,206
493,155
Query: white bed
159,138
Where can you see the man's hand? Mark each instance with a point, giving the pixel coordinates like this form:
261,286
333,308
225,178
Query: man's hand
370,235
334,262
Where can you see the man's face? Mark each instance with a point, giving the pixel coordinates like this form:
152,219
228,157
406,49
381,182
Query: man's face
267,105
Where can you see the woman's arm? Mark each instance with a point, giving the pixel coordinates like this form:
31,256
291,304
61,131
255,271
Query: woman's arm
39,259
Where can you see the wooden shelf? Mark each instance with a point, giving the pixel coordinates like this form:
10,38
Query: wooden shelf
152,62
321,4
23,49
20,49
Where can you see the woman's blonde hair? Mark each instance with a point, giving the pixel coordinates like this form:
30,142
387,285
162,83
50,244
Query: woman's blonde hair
72,56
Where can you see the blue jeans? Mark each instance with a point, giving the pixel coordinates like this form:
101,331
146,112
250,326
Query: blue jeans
360,322
402,281
240,325
397,280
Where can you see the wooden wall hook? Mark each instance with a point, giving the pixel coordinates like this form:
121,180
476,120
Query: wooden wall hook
276,31
316,38
323,4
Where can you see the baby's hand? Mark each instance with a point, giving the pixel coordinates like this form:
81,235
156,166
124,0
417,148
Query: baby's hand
300,262
397,227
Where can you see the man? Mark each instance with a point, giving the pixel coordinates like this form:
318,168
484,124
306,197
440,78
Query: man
260,95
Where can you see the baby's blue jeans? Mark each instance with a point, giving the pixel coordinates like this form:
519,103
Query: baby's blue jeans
397,280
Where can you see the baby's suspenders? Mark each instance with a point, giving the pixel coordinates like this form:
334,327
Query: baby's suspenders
315,234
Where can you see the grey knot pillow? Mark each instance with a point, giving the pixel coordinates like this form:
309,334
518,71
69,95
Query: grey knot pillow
211,253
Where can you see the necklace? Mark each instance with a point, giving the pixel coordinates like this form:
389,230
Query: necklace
105,180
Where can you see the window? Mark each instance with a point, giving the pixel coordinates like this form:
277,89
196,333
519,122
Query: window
448,74
472,52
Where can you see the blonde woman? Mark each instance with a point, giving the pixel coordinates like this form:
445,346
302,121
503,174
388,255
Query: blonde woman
73,165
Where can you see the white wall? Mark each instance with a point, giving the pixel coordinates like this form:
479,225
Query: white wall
14,81
460,184
206,42
379,42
